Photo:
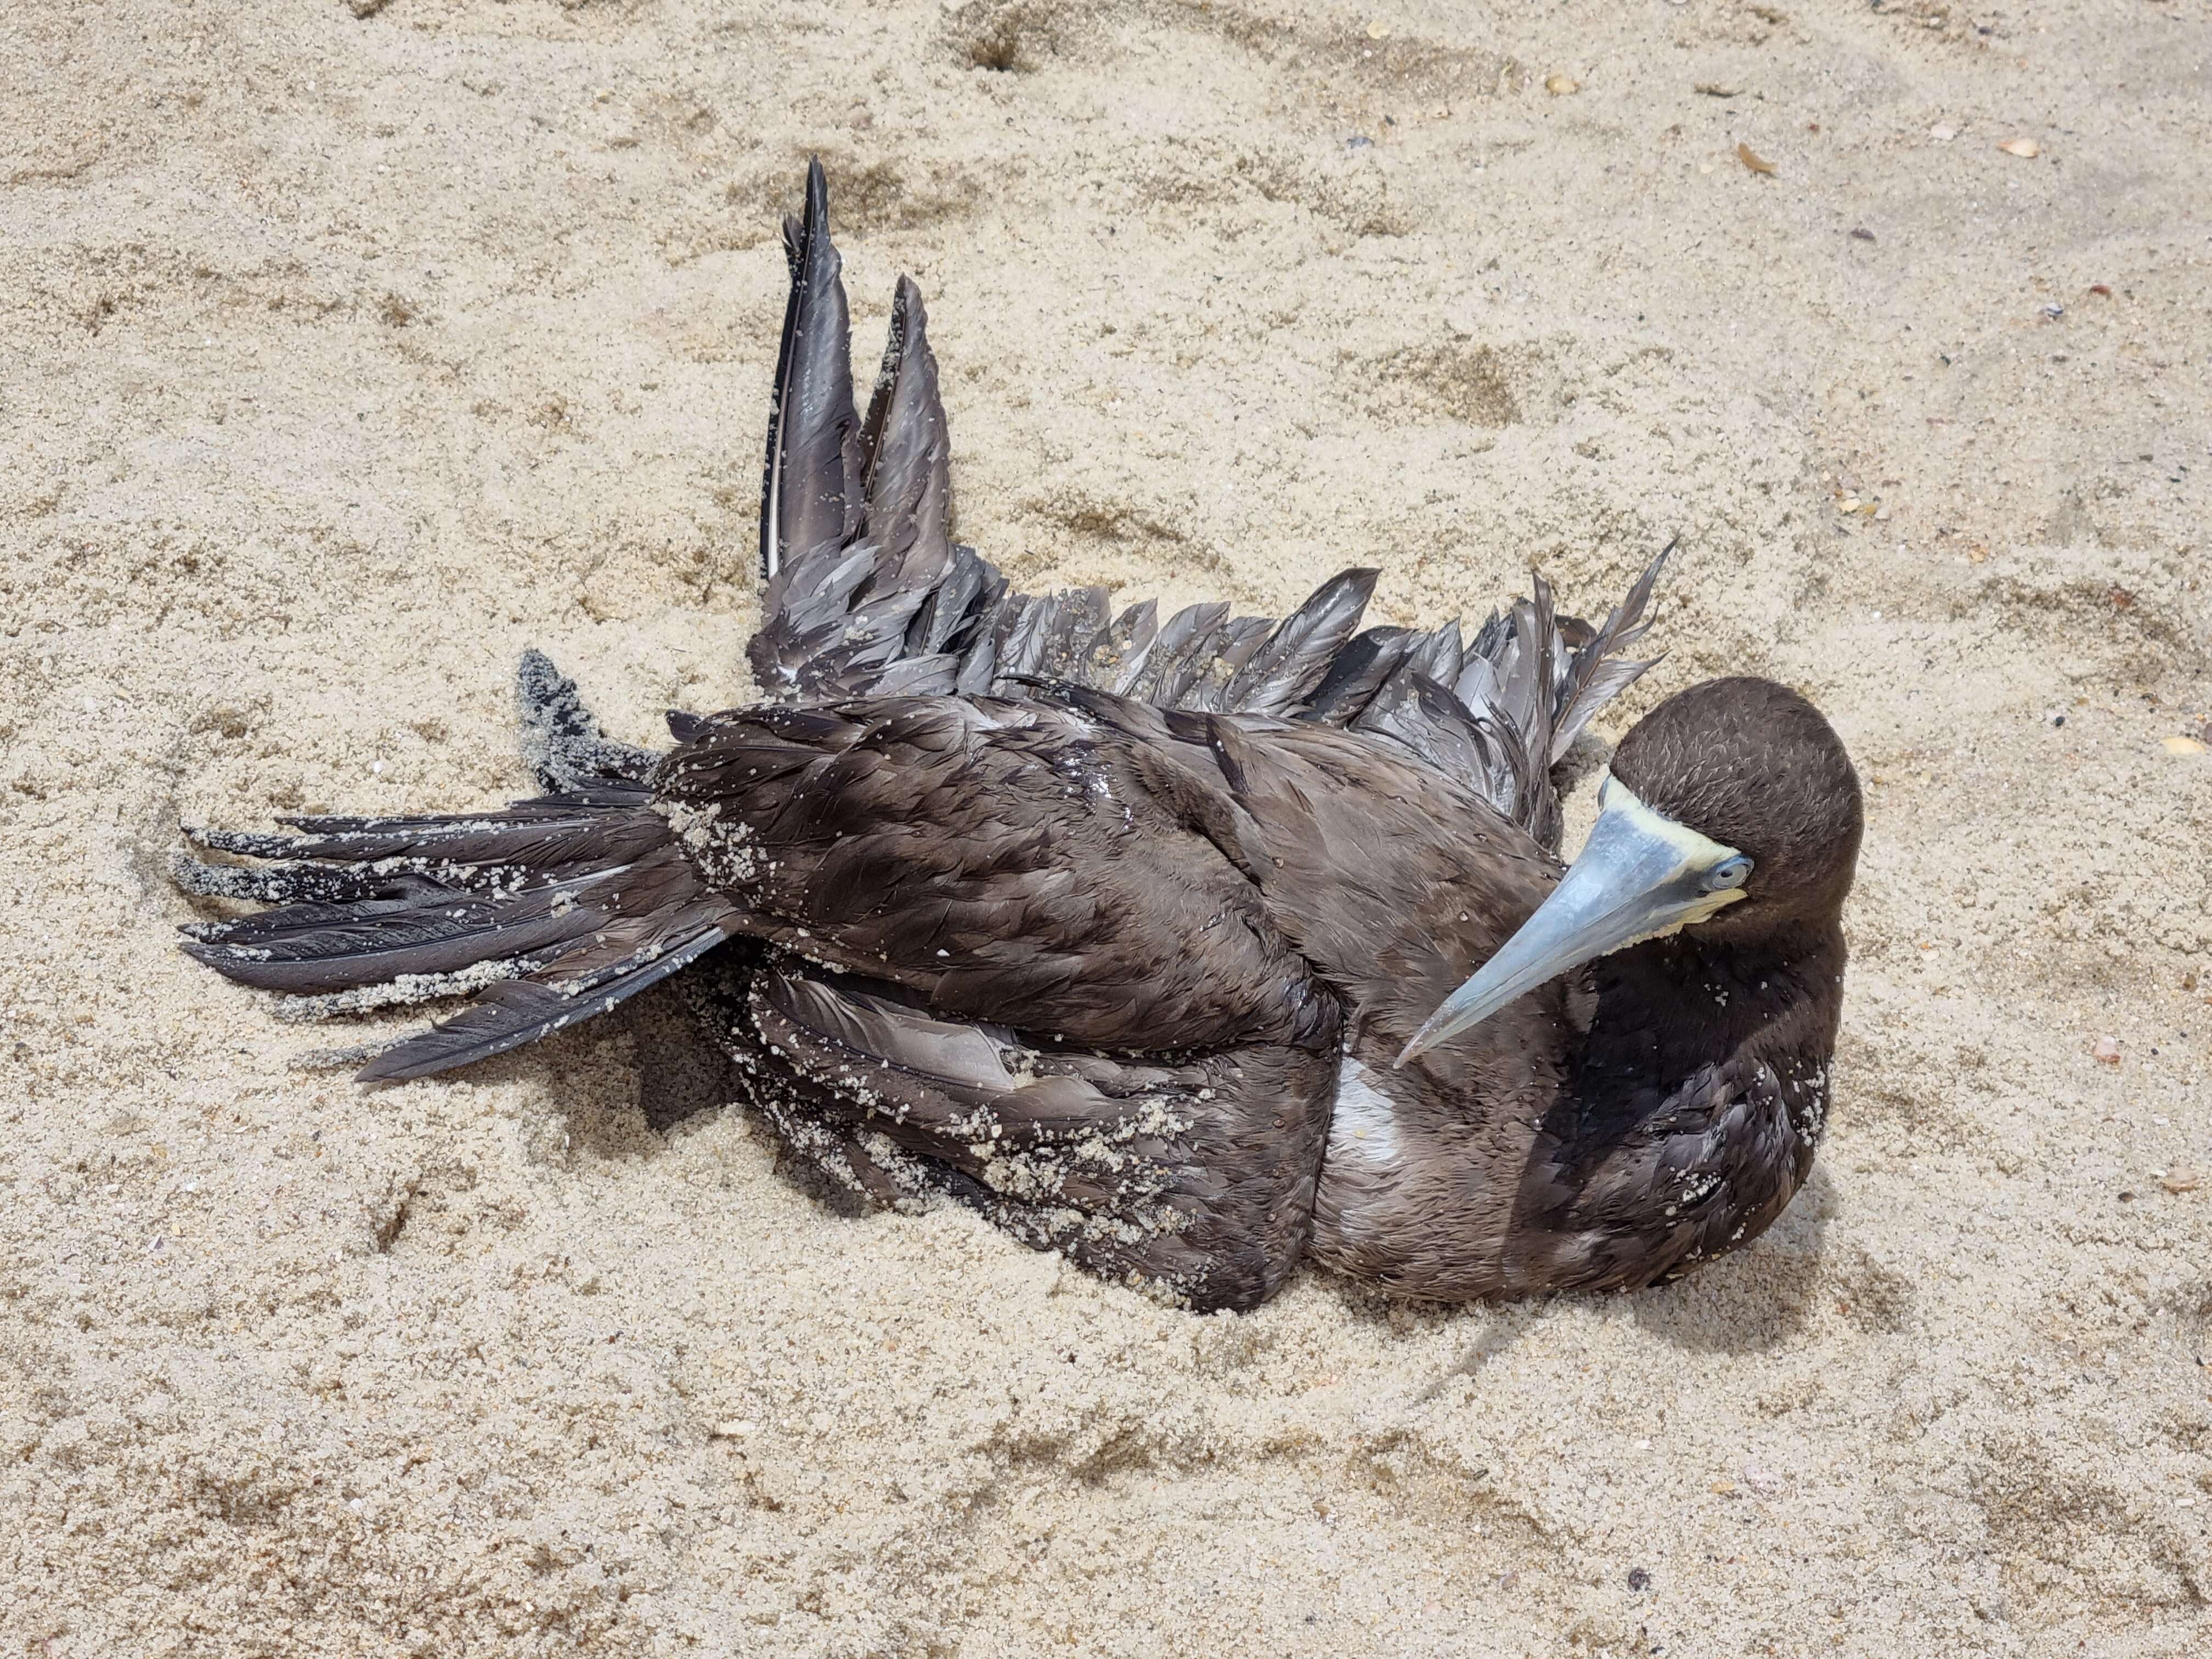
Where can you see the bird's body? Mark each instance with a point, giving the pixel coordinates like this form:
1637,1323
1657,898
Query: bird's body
1118,930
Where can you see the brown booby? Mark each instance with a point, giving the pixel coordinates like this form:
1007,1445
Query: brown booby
1192,949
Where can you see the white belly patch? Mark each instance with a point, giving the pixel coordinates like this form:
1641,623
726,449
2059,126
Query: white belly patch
1363,1127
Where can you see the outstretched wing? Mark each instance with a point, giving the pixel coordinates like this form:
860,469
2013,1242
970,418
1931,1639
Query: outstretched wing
867,594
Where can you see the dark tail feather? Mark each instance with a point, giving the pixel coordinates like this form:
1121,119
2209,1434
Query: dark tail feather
810,489
509,1013
1594,672
875,586
866,595
335,947
1285,672
533,838
1498,712
550,912
906,449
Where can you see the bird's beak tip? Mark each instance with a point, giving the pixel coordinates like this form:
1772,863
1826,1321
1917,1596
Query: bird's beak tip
1418,1045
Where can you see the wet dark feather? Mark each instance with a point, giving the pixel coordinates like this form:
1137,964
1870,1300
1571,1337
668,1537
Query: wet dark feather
1091,919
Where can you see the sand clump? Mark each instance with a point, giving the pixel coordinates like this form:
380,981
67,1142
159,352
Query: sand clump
346,355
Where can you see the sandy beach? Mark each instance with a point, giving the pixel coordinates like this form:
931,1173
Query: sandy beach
348,348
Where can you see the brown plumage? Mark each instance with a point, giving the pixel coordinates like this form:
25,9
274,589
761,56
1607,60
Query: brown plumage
1117,929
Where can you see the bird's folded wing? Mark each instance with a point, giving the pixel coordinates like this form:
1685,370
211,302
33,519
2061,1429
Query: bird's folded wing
866,593
1192,1178
1002,860
1397,876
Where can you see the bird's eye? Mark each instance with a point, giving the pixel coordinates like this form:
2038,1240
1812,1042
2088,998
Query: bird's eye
1728,873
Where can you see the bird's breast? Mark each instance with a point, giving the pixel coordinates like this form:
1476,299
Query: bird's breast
1362,1126
1404,1198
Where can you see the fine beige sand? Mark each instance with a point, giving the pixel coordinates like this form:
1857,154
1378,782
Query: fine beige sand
346,350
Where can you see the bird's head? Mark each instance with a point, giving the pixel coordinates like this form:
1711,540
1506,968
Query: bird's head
1731,808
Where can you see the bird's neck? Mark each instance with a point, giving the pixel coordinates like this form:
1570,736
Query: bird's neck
1696,1104
1670,1009
1679,1126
